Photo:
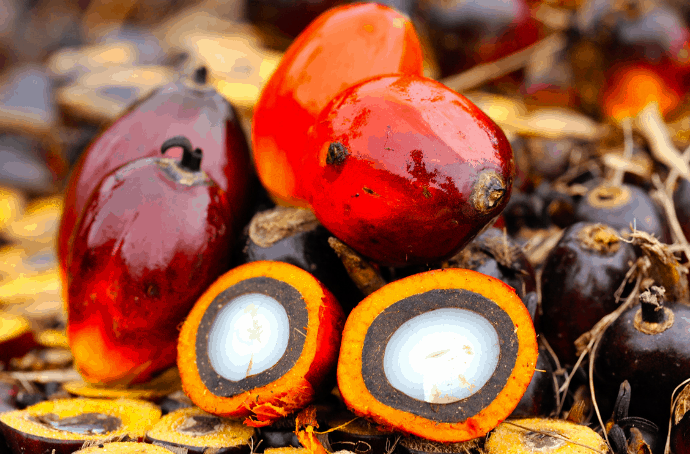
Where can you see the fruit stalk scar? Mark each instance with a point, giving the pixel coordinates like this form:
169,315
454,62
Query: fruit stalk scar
488,191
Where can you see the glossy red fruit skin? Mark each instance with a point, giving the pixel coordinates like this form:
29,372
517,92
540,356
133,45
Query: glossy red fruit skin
145,249
181,108
403,193
341,47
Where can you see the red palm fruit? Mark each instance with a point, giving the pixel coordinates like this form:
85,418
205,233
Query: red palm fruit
152,238
340,48
405,170
188,107
632,86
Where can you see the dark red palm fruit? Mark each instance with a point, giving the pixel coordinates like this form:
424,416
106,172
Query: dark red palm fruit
62,426
16,338
154,235
580,277
198,432
348,432
406,171
647,346
341,47
188,107
681,201
495,254
295,236
231,369
540,396
622,206
465,34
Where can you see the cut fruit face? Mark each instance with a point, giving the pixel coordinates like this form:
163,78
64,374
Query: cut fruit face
445,355
259,343
236,350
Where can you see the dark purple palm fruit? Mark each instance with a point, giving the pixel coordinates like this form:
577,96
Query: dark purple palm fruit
495,254
649,346
549,158
581,275
523,210
544,207
622,206
540,397
294,235
555,206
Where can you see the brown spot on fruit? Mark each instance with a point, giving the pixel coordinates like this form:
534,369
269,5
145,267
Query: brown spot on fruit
336,154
